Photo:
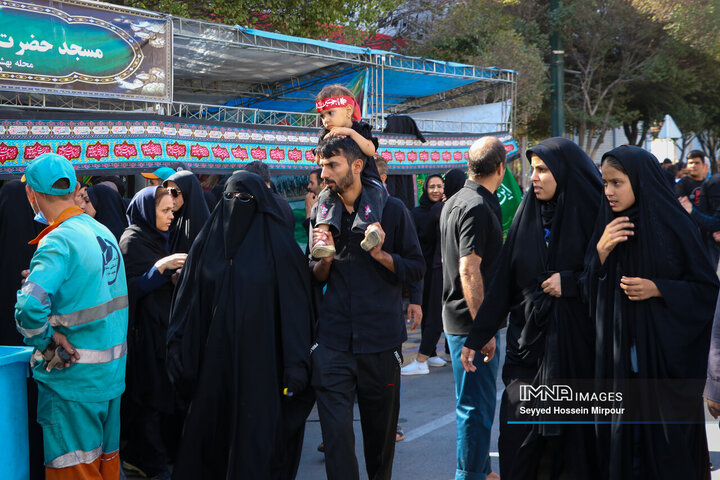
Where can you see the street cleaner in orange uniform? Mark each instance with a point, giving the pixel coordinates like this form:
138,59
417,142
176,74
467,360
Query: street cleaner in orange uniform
73,309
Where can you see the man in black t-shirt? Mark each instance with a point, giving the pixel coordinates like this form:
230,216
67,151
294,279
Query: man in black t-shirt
470,240
697,173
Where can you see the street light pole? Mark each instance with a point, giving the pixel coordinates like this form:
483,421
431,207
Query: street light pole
557,72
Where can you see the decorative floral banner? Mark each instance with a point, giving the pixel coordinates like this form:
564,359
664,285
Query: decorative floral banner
80,48
127,146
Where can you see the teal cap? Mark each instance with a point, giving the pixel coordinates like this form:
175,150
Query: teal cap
162,173
48,168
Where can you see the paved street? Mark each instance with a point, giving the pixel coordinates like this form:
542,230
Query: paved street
428,418
427,415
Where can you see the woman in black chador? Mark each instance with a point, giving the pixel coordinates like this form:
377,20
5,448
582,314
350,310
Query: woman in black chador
426,217
150,408
239,341
653,294
191,210
454,181
550,335
106,206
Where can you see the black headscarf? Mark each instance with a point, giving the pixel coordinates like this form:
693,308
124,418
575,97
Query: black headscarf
17,228
527,260
454,181
426,221
548,338
142,245
109,208
671,334
240,331
191,217
141,213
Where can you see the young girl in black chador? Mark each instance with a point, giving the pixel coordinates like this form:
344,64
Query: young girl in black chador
652,291
340,115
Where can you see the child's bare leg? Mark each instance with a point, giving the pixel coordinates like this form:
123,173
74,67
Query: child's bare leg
320,248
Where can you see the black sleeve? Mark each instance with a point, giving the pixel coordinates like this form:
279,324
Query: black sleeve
365,129
707,223
474,226
711,195
408,260
370,169
415,291
680,189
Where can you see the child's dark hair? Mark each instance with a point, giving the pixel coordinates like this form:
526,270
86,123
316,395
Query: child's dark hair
613,162
343,146
334,90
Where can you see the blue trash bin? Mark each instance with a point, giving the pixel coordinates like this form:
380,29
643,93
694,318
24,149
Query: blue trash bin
14,451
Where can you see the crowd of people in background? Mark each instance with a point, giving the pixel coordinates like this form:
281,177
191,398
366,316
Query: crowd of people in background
193,302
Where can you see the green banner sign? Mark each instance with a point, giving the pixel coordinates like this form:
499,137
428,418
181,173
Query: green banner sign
78,48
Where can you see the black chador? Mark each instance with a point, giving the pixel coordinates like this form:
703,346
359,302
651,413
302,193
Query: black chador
660,344
17,228
150,408
426,217
240,334
548,338
109,208
191,217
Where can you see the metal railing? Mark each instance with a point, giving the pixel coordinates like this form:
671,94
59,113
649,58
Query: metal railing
452,126
221,113
224,113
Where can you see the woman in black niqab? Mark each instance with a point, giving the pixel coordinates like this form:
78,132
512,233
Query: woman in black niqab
548,337
191,216
240,334
109,208
654,349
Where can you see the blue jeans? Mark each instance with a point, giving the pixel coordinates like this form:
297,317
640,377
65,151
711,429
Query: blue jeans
476,396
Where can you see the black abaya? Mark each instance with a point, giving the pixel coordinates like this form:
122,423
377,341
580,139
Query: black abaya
670,335
426,218
548,338
241,332
17,228
149,399
454,181
191,217
109,208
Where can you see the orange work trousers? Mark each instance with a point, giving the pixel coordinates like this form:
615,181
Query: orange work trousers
105,467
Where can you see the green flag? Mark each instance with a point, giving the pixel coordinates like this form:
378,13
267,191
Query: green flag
510,197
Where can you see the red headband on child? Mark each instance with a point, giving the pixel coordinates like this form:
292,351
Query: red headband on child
337,102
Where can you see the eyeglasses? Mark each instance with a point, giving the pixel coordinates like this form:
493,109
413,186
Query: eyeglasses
174,192
240,195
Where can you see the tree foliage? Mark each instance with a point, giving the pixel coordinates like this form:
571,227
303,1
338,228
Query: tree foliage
627,62
479,32
305,18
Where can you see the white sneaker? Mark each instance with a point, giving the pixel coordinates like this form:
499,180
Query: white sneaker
436,362
415,368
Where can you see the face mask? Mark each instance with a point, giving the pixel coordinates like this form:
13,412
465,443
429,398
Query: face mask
39,217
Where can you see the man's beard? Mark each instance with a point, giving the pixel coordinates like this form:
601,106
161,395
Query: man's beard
343,183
